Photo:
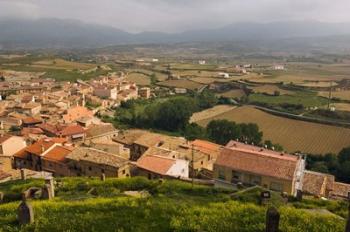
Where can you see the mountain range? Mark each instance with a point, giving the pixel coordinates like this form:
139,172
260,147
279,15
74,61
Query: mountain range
66,33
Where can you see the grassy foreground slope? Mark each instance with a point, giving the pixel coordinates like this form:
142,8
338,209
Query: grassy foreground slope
84,204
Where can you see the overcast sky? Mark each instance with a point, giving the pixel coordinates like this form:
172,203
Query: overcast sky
177,15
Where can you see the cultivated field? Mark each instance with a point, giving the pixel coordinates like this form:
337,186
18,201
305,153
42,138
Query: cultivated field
210,113
343,95
318,84
234,93
181,84
271,89
293,135
341,106
139,79
307,99
61,64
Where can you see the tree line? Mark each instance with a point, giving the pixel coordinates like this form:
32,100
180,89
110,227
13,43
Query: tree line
173,115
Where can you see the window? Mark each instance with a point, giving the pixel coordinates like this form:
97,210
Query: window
255,180
90,168
202,163
236,177
276,186
221,174
123,171
208,157
102,170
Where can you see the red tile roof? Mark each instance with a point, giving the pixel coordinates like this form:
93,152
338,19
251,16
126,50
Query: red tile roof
317,184
37,131
3,138
251,148
31,120
206,146
72,130
155,164
258,162
340,190
39,147
58,153
62,130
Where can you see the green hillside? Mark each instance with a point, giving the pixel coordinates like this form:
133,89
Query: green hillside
85,204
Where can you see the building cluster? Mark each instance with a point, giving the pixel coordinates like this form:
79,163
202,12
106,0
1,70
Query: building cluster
55,133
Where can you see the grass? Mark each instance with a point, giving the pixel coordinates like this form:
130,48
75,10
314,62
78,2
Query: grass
293,135
172,206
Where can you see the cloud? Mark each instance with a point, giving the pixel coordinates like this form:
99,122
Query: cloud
178,15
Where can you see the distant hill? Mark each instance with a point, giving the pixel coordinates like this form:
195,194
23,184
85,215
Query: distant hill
59,33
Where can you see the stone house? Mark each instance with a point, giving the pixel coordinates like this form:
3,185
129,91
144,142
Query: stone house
100,133
54,161
30,157
9,145
249,165
92,162
153,167
103,91
76,112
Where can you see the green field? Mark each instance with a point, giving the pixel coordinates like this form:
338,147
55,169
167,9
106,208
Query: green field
307,99
86,204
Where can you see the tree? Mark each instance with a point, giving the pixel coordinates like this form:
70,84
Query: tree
344,155
206,99
222,131
320,167
276,146
250,133
194,131
276,93
174,114
153,79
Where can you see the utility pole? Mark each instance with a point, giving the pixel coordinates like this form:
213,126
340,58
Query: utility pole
192,165
330,94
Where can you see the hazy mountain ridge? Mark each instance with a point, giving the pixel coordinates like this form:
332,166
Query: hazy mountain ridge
58,33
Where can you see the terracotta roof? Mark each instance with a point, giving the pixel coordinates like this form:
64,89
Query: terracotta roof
3,138
129,137
96,156
62,130
39,147
77,112
340,190
26,131
96,130
316,183
58,153
259,163
31,120
206,146
72,130
251,148
155,164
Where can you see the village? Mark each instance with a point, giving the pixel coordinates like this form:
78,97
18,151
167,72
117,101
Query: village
53,129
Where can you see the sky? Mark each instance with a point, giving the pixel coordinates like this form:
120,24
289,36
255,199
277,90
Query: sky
177,15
